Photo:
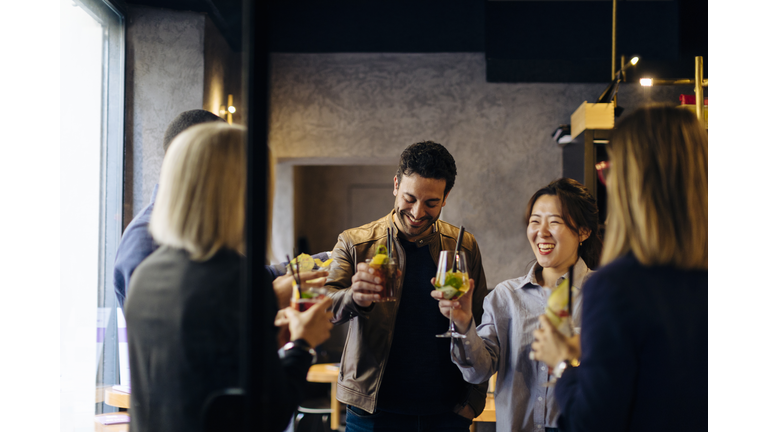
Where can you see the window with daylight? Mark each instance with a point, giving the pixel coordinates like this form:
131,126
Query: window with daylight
91,185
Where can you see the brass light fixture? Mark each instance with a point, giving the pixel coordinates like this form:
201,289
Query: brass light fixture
227,110
699,82
609,94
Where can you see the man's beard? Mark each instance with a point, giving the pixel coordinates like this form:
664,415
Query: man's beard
410,231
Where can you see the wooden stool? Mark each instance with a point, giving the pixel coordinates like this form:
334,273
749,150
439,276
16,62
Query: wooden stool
328,373
313,415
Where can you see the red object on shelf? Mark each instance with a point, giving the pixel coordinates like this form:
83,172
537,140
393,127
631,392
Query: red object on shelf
690,100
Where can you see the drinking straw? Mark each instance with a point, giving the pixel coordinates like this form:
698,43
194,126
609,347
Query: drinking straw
458,248
570,289
389,243
295,273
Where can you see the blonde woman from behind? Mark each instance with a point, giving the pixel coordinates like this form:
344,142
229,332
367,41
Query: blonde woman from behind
183,308
643,359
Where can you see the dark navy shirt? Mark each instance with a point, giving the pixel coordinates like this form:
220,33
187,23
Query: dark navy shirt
419,377
644,344
134,247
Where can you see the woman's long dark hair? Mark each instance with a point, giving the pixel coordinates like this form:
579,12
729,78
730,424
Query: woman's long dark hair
579,211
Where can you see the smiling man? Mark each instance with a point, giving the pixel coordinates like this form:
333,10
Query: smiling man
395,374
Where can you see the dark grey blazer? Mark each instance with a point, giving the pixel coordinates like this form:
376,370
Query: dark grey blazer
183,322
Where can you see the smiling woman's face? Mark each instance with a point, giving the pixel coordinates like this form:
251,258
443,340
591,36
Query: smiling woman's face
555,245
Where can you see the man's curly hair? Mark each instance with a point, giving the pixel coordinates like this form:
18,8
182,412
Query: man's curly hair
429,160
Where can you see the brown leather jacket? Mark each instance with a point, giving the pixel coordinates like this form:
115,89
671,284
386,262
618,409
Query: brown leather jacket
370,331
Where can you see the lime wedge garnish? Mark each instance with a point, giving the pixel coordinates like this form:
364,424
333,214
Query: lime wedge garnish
448,292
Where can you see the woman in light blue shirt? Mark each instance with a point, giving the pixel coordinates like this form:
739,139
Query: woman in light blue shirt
563,232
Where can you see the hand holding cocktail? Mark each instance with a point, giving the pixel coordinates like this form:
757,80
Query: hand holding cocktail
314,325
284,285
460,307
452,281
366,285
551,347
308,285
385,266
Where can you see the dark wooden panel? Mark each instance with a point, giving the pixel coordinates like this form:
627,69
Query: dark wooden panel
579,159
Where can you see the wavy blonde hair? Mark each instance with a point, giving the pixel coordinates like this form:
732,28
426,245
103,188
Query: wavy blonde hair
657,189
200,204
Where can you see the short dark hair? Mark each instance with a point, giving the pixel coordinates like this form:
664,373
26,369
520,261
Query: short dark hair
184,121
579,211
429,160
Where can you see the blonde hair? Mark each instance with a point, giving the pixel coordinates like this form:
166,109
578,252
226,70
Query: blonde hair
657,189
200,204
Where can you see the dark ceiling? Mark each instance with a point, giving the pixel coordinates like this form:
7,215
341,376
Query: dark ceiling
523,41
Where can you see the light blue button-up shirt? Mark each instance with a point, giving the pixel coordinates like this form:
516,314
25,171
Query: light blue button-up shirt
502,343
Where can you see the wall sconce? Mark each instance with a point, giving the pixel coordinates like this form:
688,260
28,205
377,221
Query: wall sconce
699,82
227,110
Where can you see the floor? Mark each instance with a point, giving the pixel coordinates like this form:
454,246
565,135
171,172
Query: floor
479,427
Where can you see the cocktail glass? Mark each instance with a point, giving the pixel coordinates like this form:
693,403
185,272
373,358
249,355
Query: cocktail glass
309,297
452,279
388,274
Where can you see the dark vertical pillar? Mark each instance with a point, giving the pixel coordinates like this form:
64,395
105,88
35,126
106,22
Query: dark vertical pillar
256,85
590,175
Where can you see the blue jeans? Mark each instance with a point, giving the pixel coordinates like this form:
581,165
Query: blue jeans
360,421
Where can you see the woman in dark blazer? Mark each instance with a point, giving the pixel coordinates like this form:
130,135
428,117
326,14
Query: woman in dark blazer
642,360
183,307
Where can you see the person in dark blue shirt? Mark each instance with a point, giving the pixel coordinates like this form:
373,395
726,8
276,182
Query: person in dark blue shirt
641,362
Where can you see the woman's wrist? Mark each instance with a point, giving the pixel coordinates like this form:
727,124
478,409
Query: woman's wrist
463,327
297,345
573,348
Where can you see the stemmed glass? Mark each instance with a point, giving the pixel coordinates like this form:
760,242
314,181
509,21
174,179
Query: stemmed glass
452,279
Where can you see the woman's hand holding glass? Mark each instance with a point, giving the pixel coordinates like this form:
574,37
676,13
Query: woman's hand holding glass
314,325
552,347
283,285
462,307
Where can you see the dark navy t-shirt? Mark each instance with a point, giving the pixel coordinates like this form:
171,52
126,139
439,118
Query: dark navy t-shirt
419,377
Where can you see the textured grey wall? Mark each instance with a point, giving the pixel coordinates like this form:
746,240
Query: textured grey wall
164,76
371,106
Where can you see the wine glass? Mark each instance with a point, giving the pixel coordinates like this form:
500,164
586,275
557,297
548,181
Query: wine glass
452,279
